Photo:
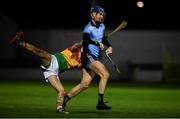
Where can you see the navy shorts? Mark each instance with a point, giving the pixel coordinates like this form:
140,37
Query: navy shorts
87,59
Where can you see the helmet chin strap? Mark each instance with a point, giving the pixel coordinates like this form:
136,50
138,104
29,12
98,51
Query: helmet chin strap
95,22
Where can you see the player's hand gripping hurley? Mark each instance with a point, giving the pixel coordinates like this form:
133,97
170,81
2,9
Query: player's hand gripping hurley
120,27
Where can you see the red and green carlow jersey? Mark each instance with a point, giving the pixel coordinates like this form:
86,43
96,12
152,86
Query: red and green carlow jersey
68,59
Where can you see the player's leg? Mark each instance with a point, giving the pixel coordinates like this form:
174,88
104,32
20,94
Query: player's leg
57,85
85,82
45,57
102,71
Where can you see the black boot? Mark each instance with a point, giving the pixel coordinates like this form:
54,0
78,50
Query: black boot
102,106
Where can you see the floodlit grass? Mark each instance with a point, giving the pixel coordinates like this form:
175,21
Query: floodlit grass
131,100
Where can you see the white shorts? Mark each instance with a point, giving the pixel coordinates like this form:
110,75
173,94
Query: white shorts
53,68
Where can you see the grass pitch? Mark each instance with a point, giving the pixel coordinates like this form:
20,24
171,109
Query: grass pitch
131,100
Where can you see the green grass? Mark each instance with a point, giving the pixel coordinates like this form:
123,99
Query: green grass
131,100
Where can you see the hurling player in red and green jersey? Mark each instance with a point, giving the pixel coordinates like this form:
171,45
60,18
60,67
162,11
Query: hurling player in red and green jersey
52,64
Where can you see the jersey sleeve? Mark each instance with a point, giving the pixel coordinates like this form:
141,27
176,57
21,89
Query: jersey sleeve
87,40
86,37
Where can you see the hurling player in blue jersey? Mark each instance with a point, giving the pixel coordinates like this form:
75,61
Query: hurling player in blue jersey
94,40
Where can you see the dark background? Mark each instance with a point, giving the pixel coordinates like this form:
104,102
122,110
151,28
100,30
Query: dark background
151,35
31,14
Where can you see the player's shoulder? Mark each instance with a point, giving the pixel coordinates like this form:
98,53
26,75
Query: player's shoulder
102,25
88,27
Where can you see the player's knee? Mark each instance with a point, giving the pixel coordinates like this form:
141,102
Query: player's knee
105,75
84,85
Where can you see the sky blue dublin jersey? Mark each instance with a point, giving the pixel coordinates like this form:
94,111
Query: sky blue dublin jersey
96,34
